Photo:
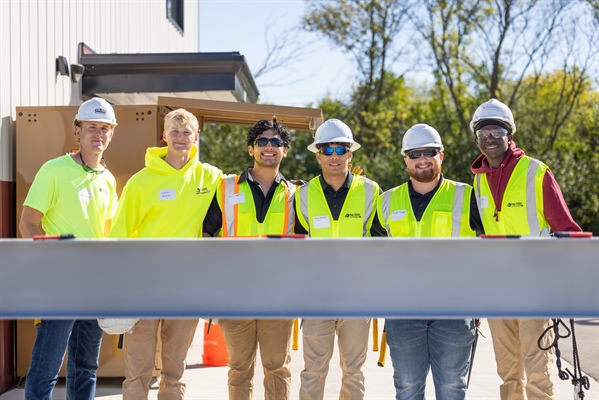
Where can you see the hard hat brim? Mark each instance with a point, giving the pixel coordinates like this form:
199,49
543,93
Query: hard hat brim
424,146
106,121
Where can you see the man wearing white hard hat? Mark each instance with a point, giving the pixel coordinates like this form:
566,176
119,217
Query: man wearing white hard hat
72,194
429,205
516,195
335,204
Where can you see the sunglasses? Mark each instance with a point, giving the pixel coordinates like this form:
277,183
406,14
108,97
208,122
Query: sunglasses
328,151
415,154
497,133
274,142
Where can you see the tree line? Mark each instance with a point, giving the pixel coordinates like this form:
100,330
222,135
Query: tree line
541,58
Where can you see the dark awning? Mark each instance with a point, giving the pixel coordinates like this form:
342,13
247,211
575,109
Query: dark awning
141,78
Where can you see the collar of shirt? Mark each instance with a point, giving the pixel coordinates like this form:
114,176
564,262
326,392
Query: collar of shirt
246,176
326,187
429,195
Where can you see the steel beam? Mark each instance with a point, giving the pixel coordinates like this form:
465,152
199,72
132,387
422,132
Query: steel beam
268,278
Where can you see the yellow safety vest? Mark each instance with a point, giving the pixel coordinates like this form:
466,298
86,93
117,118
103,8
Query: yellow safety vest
447,214
355,219
522,206
239,210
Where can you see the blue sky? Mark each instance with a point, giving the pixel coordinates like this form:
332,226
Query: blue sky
240,25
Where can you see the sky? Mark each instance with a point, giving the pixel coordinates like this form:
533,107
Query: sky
240,25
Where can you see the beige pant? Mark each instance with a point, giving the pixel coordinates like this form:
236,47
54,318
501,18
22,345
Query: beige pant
524,368
242,338
140,350
319,340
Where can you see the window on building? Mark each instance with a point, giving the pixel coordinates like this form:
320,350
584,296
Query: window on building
174,12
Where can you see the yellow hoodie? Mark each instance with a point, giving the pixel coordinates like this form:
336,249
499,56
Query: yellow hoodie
161,201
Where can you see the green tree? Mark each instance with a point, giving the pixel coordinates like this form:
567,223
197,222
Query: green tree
566,139
224,147
367,29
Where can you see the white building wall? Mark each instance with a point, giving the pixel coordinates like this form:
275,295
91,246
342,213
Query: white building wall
35,32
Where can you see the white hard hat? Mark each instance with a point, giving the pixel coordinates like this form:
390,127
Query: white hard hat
333,131
493,111
116,326
419,136
96,109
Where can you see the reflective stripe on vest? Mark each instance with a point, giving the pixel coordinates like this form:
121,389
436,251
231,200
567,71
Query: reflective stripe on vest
528,177
397,215
280,217
359,205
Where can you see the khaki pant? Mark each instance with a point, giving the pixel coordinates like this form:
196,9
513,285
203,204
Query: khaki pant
319,340
242,338
524,368
140,350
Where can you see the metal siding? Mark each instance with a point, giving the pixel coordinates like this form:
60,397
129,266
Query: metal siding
34,52
42,86
35,32
72,31
6,140
58,27
62,45
24,52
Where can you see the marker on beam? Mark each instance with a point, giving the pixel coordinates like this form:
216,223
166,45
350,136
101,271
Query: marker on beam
54,237
292,236
573,234
500,236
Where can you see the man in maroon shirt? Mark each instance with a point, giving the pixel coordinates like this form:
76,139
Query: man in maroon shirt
516,195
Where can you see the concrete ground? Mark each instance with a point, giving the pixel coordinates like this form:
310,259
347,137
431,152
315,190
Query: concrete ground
210,383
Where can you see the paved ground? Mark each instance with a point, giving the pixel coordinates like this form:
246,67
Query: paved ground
210,383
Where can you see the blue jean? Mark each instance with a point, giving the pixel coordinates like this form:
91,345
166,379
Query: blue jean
442,345
83,338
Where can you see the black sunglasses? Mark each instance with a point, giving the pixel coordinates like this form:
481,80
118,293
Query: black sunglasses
328,151
274,142
415,154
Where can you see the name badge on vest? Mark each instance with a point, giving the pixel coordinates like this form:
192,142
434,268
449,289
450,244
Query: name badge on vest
236,198
84,195
484,202
321,222
398,215
168,194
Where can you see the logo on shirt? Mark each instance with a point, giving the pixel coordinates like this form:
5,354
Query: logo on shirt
353,215
516,204
202,191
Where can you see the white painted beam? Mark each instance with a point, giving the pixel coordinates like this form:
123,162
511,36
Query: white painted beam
376,277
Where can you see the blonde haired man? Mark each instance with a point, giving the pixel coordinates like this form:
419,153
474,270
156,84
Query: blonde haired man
168,198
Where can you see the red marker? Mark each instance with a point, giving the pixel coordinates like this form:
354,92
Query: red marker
500,236
54,237
573,234
292,236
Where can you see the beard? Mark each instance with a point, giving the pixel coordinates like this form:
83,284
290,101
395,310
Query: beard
425,176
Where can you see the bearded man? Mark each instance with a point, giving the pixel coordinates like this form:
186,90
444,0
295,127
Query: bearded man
428,205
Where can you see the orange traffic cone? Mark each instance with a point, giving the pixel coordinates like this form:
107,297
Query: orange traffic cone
215,349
